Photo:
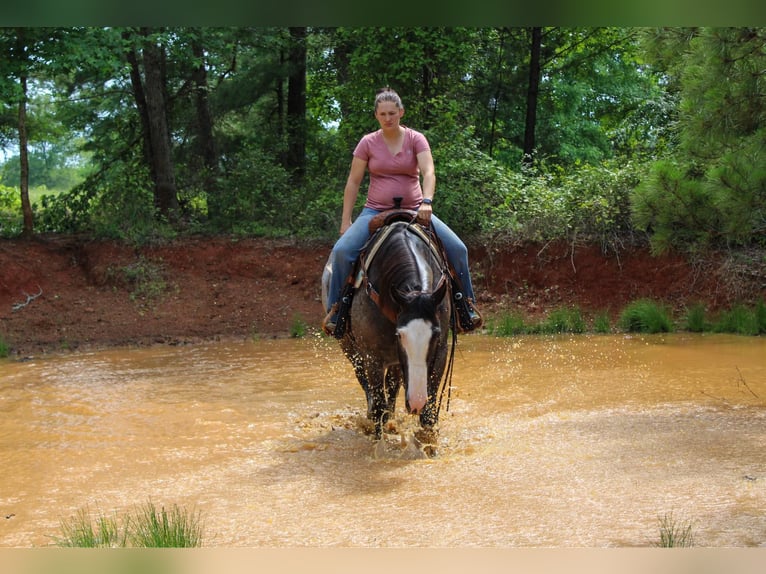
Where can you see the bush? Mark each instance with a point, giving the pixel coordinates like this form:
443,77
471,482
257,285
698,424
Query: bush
646,316
563,320
602,323
696,321
740,320
507,325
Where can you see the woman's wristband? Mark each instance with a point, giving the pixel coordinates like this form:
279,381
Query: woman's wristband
427,201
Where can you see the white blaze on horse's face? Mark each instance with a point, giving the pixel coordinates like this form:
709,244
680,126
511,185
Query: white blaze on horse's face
415,339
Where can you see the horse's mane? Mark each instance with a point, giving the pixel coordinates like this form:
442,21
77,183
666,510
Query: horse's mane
398,267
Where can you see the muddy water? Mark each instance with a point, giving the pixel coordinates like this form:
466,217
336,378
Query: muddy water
564,442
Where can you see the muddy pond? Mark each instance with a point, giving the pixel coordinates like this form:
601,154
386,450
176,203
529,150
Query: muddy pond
566,441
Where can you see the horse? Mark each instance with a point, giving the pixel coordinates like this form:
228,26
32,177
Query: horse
398,326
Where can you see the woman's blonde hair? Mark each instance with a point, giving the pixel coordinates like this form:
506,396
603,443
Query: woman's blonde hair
386,94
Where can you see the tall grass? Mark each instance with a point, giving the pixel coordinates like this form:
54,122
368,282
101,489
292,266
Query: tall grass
563,320
646,316
507,325
146,527
740,320
4,348
165,529
696,319
81,532
674,534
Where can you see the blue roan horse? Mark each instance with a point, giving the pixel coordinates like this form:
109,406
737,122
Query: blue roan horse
399,326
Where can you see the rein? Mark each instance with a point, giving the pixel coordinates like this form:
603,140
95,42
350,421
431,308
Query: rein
447,380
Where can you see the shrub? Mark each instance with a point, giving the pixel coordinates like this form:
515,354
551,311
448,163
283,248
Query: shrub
646,316
696,318
739,319
564,320
602,323
507,325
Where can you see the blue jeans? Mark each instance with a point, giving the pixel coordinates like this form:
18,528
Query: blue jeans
347,248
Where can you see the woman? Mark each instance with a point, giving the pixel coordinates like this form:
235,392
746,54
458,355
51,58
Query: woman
396,157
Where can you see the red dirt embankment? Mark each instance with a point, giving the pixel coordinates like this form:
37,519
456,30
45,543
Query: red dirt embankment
99,293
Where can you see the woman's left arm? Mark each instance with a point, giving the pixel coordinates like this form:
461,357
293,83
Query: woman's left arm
426,165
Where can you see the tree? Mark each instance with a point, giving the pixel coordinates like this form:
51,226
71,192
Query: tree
150,93
711,190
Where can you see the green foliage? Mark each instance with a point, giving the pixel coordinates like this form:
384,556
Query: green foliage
470,186
712,190
145,527
257,197
174,528
592,202
81,532
298,327
742,320
602,323
696,321
4,348
507,325
563,320
646,316
10,212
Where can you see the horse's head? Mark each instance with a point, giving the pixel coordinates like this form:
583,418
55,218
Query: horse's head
419,339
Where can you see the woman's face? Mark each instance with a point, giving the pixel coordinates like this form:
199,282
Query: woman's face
388,115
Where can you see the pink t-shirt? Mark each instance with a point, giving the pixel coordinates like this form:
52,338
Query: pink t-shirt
393,175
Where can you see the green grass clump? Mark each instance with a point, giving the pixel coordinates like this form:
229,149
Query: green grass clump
507,325
602,323
81,531
147,527
165,529
646,316
739,320
298,327
4,348
563,320
674,534
696,319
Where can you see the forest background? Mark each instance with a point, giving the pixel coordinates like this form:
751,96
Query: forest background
606,134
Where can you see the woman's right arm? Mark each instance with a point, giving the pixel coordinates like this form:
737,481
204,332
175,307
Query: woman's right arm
350,193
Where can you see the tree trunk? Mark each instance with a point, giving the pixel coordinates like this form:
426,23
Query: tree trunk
206,143
26,206
532,93
140,98
165,196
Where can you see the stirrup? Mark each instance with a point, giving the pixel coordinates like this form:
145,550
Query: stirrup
330,321
337,320
468,317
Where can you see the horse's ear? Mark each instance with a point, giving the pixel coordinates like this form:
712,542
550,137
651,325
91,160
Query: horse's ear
440,291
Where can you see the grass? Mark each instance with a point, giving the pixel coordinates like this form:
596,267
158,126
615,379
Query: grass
640,316
646,316
298,327
5,350
146,527
563,320
675,534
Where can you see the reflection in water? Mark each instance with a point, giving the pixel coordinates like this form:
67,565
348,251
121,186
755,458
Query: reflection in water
549,441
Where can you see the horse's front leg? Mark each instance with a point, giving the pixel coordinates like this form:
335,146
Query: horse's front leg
377,401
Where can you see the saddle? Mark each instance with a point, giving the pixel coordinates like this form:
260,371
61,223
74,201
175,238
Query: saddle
380,227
